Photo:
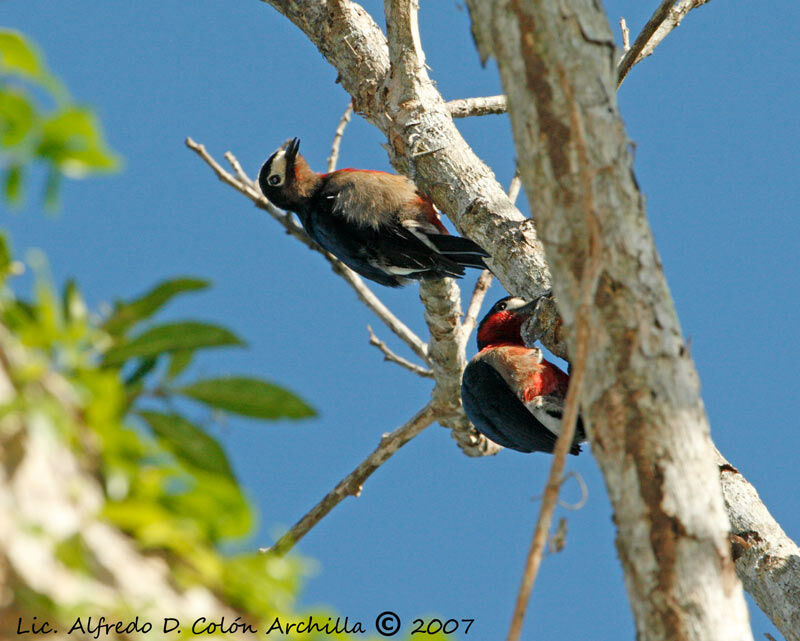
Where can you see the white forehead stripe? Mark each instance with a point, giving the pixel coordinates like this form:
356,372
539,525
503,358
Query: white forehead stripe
515,303
278,165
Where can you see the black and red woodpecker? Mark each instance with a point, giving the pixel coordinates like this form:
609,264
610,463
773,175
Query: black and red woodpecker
510,393
378,224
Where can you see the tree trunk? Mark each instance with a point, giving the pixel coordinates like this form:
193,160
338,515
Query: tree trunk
641,400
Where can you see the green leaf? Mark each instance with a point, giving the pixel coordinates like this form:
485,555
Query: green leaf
12,184
189,444
127,314
171,338
72,140
248,397
145,366
17,55
74,305
178,362
17,117
5,256
75,554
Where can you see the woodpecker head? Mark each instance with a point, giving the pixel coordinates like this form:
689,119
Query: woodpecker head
504,321
284,179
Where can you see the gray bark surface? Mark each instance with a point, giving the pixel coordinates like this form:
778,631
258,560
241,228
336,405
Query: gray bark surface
640,398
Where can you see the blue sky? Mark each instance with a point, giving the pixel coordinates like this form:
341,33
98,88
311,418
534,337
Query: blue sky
713,115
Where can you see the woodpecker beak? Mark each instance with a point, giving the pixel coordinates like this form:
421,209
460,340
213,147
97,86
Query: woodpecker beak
527,309
291,149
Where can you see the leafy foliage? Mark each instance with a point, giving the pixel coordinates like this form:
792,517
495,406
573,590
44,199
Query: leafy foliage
168,482
40,123
248,397
109,394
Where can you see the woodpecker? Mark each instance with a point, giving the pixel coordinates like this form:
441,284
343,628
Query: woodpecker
510,393
378,224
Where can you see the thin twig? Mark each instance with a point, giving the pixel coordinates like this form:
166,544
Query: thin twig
675,18
628,60
583,332
514,188
584,492
475,304
626,35
375,304
337,137
351,484
483,106
558,541
365,295
237,169
389,355
246,187
667,16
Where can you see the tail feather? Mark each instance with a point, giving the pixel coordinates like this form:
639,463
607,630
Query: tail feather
467,260
456,245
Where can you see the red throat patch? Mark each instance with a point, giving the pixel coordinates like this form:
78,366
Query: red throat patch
501,328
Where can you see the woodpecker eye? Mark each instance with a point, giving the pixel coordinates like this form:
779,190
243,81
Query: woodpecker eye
274,179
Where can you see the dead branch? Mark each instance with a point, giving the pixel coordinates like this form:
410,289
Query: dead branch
666,17
389,355
351,484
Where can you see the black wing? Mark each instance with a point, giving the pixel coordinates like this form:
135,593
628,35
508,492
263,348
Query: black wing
497,413
388,255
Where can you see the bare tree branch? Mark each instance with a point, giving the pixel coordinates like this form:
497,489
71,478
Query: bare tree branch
352,483
442,301
406,56
659,16
466,107
237,169
337,137
769,562
666,17
389,355
485,279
